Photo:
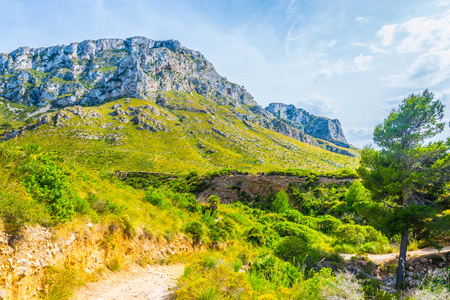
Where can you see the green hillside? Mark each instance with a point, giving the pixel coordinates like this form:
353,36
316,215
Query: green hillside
181,133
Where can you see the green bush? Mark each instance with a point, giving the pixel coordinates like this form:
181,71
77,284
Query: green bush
293,229
281,202
356,234
328,224
49,184
156,197
256,236
196,230
299,218
276,271
297,251
213,202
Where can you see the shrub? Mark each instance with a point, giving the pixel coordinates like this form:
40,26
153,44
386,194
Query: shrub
156,198
196,230
356,193
256,236
276,271
343,286
49,184
281,202
293,229
297,251
356,234
297,217
218,281
328,224
213,203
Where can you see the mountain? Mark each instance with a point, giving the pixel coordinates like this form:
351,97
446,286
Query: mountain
66,93
93,72
320,128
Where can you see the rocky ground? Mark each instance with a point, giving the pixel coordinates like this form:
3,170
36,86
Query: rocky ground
420,265
151,283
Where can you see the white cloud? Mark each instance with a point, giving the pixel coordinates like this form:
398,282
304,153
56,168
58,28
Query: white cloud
386,34
428,70
427,40
442,3
362,62
418,34
359,19
318,105
359,64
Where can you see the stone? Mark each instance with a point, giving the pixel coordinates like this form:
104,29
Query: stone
137,120
118,112
423,260
415,282
60,117
43,119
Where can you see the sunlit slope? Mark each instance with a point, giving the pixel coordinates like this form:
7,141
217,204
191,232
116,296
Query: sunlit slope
181,133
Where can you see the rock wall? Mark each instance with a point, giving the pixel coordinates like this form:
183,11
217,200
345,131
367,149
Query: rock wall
26,256
318,127
229,187
97,71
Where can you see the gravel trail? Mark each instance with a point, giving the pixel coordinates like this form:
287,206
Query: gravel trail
151,283
382,258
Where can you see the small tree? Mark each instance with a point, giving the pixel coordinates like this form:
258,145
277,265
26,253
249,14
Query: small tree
213,203
407,176
281,202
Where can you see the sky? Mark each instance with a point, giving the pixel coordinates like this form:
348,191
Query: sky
350,60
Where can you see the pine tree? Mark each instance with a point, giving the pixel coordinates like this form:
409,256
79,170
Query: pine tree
408,176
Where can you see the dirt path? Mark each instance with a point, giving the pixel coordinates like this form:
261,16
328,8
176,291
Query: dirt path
382,258
154,282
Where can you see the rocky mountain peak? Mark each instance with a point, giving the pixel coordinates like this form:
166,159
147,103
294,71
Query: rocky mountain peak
317,127
95,71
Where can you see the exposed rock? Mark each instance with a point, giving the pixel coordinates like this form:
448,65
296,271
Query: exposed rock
43,119
218,132
60,117
138,120
123,68
118,112
77,110
254,185
318,127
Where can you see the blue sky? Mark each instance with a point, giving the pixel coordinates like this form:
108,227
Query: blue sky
351,60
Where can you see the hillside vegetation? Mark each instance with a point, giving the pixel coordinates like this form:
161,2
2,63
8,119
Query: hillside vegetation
173,132
269,246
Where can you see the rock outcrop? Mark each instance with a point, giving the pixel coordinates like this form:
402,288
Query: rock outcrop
318,127
97,71
230,187
25,256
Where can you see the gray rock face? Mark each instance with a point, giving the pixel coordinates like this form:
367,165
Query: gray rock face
96,71
318,127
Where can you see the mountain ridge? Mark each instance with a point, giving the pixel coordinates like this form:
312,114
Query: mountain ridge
93,72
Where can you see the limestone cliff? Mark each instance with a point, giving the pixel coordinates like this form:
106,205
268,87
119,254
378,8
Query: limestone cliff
96,71
317,127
